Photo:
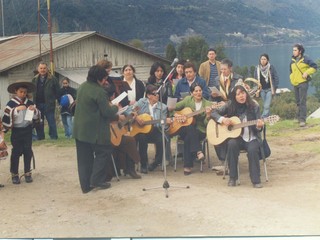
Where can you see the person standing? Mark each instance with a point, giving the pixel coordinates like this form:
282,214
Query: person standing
45,96
267,75
67,96
91,130
16,119
301,67
210,69
226,81
137,86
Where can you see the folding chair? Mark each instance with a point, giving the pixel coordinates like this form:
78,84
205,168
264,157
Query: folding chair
238,168
115,167
205,148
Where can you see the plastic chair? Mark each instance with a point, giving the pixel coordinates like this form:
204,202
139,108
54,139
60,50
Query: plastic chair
205,148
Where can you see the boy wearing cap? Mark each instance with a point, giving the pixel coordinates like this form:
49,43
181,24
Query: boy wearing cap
19,115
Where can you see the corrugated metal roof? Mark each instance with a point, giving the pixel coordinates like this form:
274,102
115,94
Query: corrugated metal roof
80,75
25,47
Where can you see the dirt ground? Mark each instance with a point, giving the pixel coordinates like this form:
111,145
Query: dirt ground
53,205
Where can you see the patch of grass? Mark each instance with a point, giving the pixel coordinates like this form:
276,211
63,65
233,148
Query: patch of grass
62,141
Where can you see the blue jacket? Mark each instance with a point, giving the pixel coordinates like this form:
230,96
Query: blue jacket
183,86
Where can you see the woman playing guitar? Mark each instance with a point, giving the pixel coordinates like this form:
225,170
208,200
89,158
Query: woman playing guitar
192,134
242,106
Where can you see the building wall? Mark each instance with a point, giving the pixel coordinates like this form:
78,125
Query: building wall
81,54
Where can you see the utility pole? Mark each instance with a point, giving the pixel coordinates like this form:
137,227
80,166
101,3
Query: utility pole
50,35
2,18
39,32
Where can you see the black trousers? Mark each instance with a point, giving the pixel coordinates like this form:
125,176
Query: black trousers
21,141
155,137
191,137
92,160
253,149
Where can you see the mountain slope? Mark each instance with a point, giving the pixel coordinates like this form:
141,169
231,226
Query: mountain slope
232,22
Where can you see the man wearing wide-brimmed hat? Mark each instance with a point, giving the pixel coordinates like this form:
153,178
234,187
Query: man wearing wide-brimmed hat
45,96
18,117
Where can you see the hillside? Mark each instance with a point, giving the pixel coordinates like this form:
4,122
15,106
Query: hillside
157,23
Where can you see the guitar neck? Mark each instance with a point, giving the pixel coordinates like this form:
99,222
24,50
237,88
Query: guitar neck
244,124
202,110
195,113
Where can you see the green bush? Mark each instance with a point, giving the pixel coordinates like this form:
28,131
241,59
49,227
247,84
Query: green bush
285,106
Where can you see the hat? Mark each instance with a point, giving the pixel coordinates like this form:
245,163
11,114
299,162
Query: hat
28,85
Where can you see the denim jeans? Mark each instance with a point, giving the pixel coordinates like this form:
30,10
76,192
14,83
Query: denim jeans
266,96
301,92
67,124
50,116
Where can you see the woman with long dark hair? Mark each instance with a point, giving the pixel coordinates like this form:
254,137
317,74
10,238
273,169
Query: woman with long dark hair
157,75
246,109
267,75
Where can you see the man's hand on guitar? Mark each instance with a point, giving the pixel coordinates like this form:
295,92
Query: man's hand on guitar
260,123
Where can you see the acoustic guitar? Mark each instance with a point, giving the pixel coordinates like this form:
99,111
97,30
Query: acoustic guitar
189,114
136,128
118,129
218,133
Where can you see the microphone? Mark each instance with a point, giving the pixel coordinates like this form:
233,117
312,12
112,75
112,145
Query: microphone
175,61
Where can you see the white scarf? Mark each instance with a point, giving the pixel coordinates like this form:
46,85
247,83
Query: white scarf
265,71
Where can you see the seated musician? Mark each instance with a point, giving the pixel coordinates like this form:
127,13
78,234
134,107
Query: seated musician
126,152
157,110
193,133
244,107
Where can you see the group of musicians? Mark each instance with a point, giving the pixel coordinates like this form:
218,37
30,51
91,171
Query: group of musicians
141,123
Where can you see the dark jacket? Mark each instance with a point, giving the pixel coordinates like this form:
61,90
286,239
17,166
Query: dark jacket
64,91
93,114
140,90
51,91
183,86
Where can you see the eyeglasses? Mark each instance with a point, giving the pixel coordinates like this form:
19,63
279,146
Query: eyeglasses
154,93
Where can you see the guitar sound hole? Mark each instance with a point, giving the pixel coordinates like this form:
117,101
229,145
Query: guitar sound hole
230,128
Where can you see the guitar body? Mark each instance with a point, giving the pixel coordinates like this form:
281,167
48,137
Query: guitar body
116,132
175,126
218,133
136,128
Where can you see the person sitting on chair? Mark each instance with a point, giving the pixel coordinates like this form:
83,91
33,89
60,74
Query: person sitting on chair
244,107
152,106
193,133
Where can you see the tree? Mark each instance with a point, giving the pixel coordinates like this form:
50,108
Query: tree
171,52
220,51
137,43
192,49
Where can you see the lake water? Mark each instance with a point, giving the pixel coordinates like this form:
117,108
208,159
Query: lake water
280,56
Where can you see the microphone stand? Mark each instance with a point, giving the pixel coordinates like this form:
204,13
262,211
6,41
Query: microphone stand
165,184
